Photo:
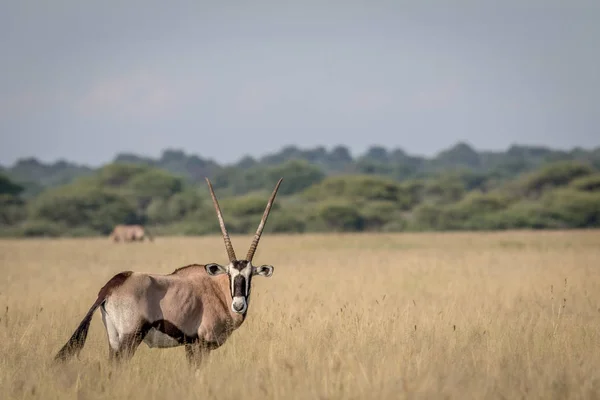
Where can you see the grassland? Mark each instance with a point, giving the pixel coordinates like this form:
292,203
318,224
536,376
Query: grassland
462,316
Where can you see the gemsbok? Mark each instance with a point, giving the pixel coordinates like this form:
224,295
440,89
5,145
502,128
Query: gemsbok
130,233
196,306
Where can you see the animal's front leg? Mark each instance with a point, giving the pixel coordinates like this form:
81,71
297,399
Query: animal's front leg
195,353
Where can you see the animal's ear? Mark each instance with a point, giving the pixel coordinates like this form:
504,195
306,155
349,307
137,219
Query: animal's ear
215,269
264,270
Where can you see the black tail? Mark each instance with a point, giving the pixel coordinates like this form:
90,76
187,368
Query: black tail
77,340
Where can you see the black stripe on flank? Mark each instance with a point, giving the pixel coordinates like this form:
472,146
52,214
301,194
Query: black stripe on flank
169,329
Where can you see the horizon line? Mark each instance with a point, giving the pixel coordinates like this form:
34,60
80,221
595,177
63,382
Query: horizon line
354,155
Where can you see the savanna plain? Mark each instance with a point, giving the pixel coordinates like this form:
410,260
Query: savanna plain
355,316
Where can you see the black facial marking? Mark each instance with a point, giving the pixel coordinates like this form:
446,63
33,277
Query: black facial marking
239,286
240,264
240,282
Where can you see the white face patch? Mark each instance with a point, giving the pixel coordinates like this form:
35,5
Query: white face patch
239,305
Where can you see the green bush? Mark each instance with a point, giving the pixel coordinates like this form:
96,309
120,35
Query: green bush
153,184
471,211
477,202
358,188
185,203
396,224
376,214
574,209
556,174
340,216
560,194
81,231
204,221
248,205
523,215
412,193
118,174
157,213
589,183
285,221
12,210
425,217
299,175
74,207
41,228
444,189
8,187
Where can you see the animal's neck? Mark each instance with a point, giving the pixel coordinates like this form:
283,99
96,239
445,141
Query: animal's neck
238,319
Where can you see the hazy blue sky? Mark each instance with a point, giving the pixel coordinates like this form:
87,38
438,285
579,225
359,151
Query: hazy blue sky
84,80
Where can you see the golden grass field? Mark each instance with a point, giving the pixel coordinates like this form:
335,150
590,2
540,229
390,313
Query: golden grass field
391,316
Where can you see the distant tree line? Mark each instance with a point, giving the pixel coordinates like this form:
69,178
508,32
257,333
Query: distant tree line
323,191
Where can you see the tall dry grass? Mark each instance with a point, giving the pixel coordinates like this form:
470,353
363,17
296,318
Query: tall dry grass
486,315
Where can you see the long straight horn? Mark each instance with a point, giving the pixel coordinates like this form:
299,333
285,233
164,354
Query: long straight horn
261,226
226,238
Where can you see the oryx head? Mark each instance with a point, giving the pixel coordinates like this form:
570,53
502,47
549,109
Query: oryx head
240,272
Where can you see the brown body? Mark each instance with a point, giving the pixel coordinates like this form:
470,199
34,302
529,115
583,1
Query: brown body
129,233
196,306
187,307
188,300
